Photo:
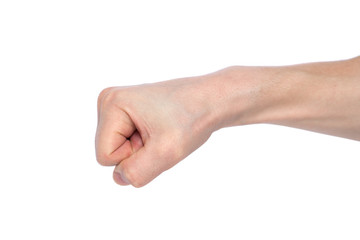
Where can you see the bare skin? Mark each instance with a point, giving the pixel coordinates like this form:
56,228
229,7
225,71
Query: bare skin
145,130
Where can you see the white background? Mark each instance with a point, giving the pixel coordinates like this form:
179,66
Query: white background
252,182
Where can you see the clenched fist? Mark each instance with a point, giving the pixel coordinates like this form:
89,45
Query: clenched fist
144,130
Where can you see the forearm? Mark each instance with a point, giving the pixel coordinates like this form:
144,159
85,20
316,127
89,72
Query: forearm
320,97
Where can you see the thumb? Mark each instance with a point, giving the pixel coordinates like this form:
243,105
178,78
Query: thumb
143,165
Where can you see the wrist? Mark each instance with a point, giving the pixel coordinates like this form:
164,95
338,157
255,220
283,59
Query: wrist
248,95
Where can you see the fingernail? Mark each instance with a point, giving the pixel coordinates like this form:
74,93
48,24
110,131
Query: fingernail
120,175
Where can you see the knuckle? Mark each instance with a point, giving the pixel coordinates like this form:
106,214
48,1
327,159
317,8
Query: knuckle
103,159
105,95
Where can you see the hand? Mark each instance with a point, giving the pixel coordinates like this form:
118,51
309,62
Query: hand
145,130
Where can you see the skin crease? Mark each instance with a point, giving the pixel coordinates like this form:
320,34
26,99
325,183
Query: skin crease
146,129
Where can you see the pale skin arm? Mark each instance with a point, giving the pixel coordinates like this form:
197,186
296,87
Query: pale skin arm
145,130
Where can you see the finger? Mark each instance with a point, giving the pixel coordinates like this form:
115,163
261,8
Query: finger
131,145
113,136
101,96
136,141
